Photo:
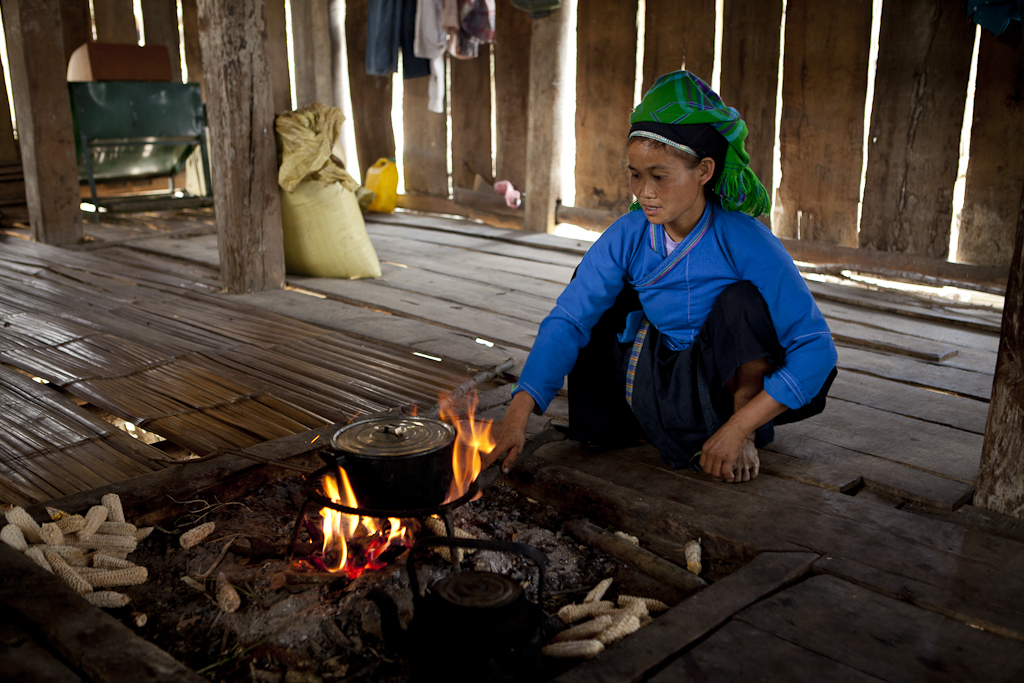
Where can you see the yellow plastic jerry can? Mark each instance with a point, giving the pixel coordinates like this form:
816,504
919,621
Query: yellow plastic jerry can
382,180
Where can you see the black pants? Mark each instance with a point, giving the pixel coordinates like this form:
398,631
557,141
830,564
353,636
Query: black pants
680,398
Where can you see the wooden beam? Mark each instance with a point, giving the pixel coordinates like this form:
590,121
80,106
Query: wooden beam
605,74
1001,473
115,21
35,48
242,151
996,176
750,75
75,24
190,34
471,118
675,39
512,92
924,60
371,95
548,41
160,22
10,152
824,87
424,161
277,56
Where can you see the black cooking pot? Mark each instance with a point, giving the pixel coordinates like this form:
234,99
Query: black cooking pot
395,462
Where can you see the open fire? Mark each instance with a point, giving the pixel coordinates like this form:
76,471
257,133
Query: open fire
354,544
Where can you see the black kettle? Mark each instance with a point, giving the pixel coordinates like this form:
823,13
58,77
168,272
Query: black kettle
472,625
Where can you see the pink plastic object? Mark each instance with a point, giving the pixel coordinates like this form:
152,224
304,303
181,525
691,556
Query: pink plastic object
513,198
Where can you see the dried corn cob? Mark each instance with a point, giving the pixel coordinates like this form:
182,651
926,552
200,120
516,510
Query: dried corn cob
632,539
620,629
573,613
109,599
574,649
36,553
195,535
227,596
105,561
56,514
13,536
51,534
66,573
20,518
143,533
140,618
646,619
117,529
584,631
73,556
105,542
598,591
112,502
105,578
96,515
69,524
691,551
652,604
436,527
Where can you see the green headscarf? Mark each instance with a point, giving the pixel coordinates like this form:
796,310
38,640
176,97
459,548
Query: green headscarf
680,98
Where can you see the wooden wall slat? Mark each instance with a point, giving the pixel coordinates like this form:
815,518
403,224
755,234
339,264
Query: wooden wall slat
304,51
674,36
823,94
75,25
115,21
321,31
371,95
512,88
750,75
190,33
924,61
35,48
605,74
471,118
424,160
995,173
1001,472
277,56
243,154
10,153
160,23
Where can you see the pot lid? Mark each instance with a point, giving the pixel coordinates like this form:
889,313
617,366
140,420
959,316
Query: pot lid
478,589
391,436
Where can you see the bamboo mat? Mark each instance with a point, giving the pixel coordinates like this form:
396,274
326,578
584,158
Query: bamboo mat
148,342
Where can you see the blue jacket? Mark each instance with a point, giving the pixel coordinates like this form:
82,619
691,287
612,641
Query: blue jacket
677,294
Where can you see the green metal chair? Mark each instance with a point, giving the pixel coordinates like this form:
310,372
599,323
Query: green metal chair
133,130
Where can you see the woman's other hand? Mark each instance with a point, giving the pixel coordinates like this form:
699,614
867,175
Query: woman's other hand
509,433
724,451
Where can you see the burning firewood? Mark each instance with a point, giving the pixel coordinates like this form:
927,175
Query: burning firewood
195,535
574,649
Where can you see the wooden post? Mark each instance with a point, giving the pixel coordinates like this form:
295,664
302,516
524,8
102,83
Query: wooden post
242,151
371,95
160,22
277,56
1001,473
424,159
471,118
190,34
35,48
10,153
512,92
924,61
605,75
115,21
674,38
548,41
824,87
750,75
75,24
995,175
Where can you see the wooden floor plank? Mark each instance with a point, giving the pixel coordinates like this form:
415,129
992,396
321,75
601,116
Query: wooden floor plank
961,382
647,649
874,634
862,336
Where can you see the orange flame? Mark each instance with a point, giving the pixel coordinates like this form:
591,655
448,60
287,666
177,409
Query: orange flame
474,437
341,529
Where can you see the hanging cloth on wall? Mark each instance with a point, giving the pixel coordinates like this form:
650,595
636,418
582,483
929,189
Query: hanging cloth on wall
430,43
391,26
468,23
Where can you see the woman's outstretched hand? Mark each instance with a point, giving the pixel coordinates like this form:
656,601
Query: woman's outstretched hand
509,433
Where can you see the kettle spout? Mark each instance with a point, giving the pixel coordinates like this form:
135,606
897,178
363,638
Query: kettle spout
391,630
